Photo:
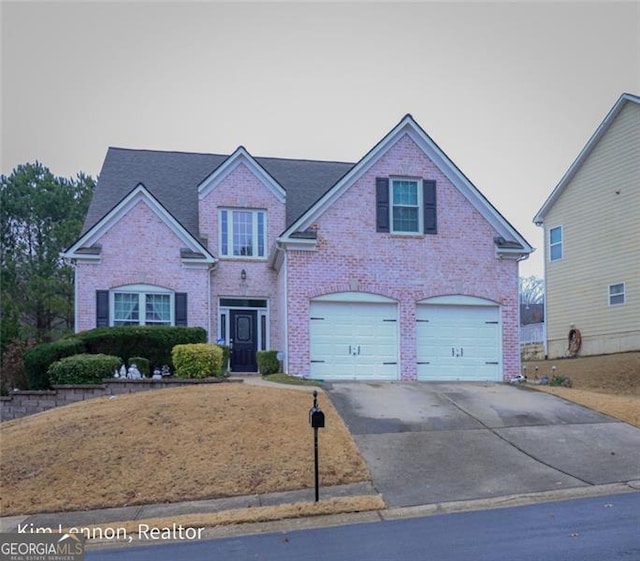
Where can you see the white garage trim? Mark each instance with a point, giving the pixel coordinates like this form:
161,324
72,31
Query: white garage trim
458,341
459,300
353,297
353,339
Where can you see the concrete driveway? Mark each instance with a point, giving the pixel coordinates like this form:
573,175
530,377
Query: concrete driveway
436,442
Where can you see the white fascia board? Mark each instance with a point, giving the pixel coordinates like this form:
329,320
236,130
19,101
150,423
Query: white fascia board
140,193
357,171
467,189
518,254
538,219
240,156
409,127
300,244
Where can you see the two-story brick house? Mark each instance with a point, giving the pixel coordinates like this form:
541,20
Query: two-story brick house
395,267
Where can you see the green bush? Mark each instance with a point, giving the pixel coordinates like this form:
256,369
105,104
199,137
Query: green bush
83,369
225,360
268,362
558,380
154,342
143,364
199,360
38,359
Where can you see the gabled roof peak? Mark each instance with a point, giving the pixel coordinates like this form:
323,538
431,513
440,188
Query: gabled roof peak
617,107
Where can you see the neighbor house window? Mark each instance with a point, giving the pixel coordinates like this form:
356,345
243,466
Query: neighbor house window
142,307
555,243
243,233
616,294
406,205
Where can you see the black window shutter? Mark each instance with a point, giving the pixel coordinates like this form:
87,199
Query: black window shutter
102,308
382,204
180,302
429,200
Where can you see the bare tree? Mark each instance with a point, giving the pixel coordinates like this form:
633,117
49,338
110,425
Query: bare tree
531,290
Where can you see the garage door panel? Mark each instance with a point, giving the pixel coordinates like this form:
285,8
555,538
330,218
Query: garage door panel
458,342
354,340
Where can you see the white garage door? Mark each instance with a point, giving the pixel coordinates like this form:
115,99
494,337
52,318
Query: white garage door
458,342
354,340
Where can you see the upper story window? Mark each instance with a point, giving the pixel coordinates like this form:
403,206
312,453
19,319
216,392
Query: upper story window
406,206
243,233
142,306
555,243
406,202
616,294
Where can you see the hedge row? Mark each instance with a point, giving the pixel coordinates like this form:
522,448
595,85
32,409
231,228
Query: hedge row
126,342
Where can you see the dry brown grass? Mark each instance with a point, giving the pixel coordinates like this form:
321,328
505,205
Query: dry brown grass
170,445
607,383
252,515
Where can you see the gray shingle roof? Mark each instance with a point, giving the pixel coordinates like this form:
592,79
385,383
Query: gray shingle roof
173,178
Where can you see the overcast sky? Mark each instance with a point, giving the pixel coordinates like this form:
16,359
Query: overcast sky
510,91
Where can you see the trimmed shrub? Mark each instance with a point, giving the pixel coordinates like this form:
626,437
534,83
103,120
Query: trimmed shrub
154,342
143,364
225,360
199,360
38,360
83,369
268,362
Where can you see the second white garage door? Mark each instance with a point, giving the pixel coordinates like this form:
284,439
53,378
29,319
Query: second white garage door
354,339
458,342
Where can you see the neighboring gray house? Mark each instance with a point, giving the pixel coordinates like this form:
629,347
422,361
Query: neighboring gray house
591,226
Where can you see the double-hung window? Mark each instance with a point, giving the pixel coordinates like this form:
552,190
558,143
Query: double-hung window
142,307
243,233
616,294
555,243
406,205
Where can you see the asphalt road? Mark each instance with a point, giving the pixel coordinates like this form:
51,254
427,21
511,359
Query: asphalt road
594,529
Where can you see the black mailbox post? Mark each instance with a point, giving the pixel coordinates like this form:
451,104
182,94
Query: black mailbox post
316,420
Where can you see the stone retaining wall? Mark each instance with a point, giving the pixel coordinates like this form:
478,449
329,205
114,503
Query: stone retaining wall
23,403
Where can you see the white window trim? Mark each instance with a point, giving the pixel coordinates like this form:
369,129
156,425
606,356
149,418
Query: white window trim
254,217
226,311
623,294
420,205
141,290
560,243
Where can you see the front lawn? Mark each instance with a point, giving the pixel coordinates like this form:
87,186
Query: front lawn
181,444
607,383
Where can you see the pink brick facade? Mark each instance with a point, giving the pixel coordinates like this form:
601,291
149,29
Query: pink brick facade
336,249
242,189
140,250
460,259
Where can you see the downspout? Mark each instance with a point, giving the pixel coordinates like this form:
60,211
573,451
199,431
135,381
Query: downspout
209,316
286,310
75,295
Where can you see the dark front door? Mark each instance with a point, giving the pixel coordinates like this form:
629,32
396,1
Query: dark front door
244,340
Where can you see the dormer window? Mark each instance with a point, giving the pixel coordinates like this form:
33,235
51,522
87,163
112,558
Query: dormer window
243,233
